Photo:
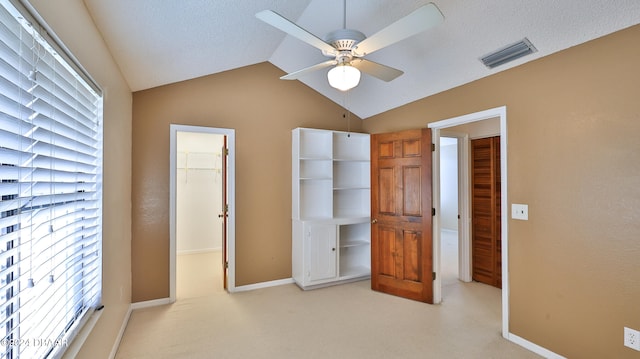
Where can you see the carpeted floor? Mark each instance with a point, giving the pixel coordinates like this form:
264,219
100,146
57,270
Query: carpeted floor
345,321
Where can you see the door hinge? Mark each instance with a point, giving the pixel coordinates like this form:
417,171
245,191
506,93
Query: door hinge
225,211
434,275
226,265
225,151
433,147
433,211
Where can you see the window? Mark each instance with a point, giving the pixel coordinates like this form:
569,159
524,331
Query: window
50,191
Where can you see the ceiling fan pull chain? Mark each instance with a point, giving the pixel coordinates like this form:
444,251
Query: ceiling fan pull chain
348,114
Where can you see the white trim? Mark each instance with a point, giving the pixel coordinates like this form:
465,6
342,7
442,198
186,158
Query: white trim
464,208
436,227
198,251
546,353
500,112
472,117
231,200
273,283
151,303
123,327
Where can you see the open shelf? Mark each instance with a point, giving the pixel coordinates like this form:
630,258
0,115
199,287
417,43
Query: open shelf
355,234
355,249
313,202
352,202
351,174
353,243
351,146
315,169
349,272
315,144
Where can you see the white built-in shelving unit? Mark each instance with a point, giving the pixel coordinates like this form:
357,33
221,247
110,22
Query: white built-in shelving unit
330,207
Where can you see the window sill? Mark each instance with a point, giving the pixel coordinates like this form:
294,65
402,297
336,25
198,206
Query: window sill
74,347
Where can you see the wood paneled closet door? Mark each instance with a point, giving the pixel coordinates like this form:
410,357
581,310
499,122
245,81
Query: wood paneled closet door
485,208
401,229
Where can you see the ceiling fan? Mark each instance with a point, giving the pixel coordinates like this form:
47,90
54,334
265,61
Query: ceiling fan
349,47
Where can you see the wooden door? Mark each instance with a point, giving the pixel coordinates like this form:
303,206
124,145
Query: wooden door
485,211
401,229
225,212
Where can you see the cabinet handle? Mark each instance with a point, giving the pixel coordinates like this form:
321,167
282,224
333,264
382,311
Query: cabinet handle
374,221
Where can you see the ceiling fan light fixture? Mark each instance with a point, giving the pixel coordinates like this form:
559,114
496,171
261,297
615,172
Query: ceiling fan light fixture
343,77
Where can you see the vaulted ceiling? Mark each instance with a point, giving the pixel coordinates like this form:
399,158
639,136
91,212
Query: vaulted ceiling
158,42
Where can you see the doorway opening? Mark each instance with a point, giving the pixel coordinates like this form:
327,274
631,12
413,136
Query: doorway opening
202,217
493,120
449,213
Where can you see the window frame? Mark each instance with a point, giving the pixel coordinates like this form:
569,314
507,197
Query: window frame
70,63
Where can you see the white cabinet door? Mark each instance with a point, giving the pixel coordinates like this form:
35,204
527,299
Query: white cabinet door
322,252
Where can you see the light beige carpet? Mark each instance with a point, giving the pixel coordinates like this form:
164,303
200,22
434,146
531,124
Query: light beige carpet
345,321
449,258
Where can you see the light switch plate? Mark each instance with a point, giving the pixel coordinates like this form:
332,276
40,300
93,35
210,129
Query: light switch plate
520,211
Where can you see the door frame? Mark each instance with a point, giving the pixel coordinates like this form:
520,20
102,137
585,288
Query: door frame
231,220
437,127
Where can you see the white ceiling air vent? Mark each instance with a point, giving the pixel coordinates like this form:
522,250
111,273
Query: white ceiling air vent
508,53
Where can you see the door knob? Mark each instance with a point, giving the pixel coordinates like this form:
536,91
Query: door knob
374,221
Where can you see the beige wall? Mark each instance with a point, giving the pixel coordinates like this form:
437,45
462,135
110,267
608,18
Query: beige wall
573,121
263,110
71,22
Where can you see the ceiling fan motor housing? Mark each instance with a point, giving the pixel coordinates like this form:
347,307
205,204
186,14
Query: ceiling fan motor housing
343,40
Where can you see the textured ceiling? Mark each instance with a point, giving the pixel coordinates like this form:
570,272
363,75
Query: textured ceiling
157,42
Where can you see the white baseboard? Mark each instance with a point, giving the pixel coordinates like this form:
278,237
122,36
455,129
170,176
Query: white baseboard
533,347
273,283
150,303
244,288
116,344
198,251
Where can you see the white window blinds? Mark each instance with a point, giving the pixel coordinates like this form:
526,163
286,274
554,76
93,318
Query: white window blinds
50,204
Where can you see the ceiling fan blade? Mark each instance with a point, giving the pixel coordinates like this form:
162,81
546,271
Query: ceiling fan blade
418,21
296,75
280,22
383,72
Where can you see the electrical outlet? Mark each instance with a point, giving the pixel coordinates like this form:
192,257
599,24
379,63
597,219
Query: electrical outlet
632,338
